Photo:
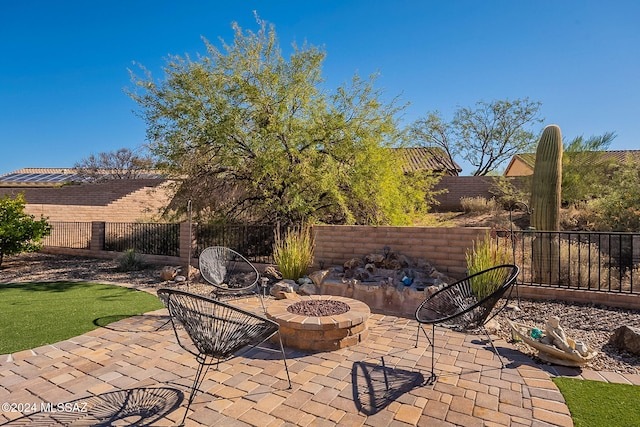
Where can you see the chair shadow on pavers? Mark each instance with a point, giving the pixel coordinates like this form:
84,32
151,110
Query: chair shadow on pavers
118,322
375,385
131,407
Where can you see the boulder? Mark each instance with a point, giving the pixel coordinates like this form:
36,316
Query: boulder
353,263
626,338
318,276
272,273
375,259
304,280
283,286
169,273
308,289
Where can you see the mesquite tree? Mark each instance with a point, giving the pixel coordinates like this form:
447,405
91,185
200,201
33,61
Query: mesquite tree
255,136
485,136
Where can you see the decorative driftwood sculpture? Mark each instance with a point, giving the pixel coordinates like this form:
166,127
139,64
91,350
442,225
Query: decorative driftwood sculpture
553,345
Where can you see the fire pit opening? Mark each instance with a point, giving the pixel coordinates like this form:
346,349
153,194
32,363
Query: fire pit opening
318,308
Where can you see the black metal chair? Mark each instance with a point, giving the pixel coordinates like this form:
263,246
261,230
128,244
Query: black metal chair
231,274
216,331
458,306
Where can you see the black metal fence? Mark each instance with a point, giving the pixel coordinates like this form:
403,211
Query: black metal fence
608,262
255,242
74,235
146,238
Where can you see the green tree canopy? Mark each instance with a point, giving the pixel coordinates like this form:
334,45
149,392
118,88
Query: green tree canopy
485,136
256,136
19,232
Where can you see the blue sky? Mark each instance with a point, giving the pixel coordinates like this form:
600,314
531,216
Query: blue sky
63,64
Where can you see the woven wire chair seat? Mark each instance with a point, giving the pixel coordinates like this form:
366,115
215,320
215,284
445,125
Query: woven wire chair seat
458,306
214,331
230,273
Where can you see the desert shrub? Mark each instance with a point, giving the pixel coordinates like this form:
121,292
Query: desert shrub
131,260
485,254
479,205
293,252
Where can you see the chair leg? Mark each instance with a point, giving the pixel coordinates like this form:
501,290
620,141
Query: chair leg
432,379
432,342
163,325
420,328
203,367
493,345
264,308
284,359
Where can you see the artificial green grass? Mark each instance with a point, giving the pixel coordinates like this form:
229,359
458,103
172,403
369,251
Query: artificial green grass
596,403
36,314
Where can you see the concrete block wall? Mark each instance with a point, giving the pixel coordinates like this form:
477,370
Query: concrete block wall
443,247
466,186
122,200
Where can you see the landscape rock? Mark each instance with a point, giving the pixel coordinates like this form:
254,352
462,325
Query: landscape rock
304,280
308,289
353,263
283,286
318,276
626,338
272,273
169,273
375,259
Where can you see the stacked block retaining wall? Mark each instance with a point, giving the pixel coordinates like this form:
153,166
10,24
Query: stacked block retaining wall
443,247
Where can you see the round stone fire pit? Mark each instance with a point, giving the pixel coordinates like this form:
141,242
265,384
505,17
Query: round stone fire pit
320,322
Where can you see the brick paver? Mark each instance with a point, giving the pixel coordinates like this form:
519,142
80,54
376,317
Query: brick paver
375,383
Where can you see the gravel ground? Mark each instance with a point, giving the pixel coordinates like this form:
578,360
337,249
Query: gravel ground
592,324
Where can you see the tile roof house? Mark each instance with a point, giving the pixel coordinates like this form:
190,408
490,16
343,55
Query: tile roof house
523,164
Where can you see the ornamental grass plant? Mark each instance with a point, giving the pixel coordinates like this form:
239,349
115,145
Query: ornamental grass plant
293,252
485,254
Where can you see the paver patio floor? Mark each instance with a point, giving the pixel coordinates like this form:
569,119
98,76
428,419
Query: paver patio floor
134,371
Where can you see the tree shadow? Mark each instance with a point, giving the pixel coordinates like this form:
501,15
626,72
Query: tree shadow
59,286
375,386
152,322
132,407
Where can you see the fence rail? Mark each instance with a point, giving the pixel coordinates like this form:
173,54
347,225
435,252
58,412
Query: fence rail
255,242
146,238
607,262
74,235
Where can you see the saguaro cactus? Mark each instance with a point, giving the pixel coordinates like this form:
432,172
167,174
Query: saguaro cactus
545,202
